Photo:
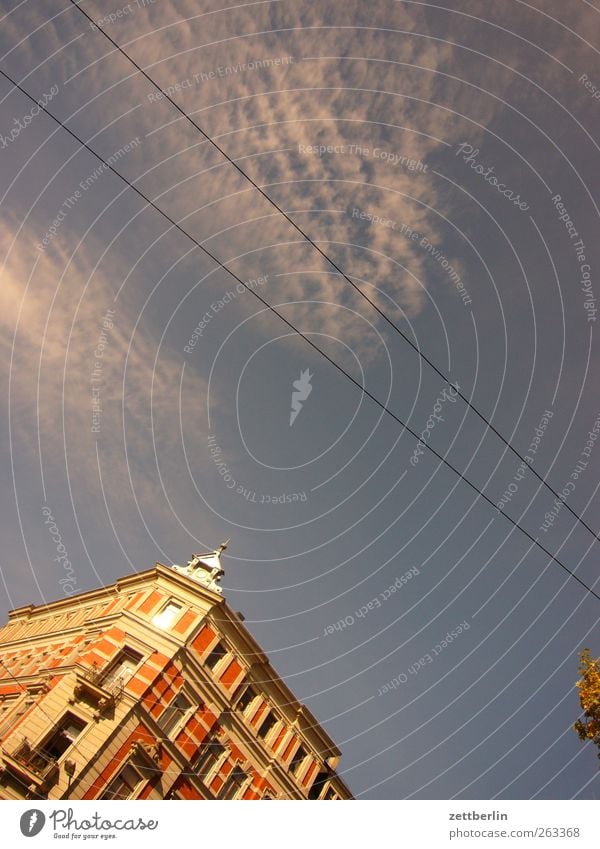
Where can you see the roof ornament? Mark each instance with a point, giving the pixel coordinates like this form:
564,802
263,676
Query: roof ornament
205,569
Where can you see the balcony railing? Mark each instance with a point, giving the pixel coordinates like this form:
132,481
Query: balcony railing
35,759
90,681
36,769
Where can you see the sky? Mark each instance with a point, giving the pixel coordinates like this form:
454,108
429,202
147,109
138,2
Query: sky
446,160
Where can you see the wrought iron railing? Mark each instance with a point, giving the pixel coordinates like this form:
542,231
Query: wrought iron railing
106,691
98,677
34,758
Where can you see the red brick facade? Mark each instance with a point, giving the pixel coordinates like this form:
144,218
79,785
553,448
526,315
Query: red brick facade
99,698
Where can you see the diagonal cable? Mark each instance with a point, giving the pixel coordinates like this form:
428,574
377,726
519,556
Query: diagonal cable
292,327
337,268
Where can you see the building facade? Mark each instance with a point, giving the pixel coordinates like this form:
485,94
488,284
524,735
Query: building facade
152,688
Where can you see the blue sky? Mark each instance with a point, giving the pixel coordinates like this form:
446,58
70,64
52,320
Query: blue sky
147,398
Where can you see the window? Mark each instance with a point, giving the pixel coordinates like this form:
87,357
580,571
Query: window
297,760
121,669
268,724
317,785
167,616
216,654
62,738
330,794
174,714
246,699
233,783
124,785
210,755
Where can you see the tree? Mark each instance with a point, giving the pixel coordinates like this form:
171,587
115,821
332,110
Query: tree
588,727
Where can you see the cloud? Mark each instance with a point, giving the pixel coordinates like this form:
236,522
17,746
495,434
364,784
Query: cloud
84,373
264,114
341,112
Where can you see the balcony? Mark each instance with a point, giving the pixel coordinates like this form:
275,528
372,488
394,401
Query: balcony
89,683
36,769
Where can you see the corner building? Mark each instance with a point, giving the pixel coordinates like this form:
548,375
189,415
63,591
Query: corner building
152,688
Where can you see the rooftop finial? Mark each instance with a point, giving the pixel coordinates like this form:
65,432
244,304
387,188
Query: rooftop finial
205,569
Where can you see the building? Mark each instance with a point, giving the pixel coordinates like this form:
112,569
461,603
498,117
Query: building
152,688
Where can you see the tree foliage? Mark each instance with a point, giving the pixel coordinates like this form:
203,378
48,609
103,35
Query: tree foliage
588,727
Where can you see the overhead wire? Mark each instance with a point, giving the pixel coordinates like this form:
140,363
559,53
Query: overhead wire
302,335
338,269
